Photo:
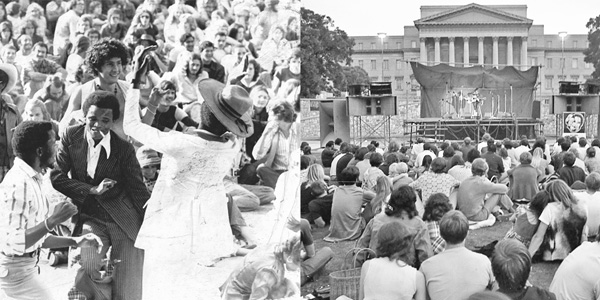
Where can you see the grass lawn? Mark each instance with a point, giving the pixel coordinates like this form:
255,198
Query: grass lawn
541,273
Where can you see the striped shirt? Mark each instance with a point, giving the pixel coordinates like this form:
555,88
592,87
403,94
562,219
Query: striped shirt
281,161
22,206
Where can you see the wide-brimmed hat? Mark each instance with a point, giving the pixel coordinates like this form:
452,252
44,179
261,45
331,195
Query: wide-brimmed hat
230,104
11,71
147,156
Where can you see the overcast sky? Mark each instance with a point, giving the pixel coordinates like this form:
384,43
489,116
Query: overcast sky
368,17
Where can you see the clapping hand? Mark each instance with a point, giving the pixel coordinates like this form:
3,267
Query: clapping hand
89,240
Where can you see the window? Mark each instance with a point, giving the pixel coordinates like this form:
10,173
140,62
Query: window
399,80
534,61
386,64
562,77
373,64
373,79
398,64
548,82
574,77
548,44
360,63
413,44
562,62
372,45
360,46
549,62
533,43
387,78
574,44
574,62
385,45
588,65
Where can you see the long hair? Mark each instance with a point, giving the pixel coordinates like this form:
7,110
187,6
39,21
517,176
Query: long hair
33,103
383,189
403,199
561,192
315,173
538,156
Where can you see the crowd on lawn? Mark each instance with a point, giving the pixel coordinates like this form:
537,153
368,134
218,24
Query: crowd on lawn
413,205
134,133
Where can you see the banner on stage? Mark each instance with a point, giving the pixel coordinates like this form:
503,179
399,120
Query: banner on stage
574,124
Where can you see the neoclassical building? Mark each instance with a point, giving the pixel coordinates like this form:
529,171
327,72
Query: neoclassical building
473,34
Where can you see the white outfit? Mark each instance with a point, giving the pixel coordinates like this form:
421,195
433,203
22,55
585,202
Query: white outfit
186,225
385,279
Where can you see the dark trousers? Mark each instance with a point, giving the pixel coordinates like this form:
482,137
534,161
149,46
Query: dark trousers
268,176
320,207
126,283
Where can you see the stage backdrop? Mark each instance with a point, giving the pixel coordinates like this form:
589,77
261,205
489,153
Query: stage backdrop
445,89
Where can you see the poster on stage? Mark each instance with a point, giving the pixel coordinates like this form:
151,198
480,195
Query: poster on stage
574,124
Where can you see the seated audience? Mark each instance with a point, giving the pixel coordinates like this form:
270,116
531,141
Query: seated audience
401,208
526,218
569,172
457,272
327,154
370,176
436,181
590,198
383,190
437,206
390,275
348,199
399,175
473,199
577,276
523,179
561,224
511,264
458,169
312,260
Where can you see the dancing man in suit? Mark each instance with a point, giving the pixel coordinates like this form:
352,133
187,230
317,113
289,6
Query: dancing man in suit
106,184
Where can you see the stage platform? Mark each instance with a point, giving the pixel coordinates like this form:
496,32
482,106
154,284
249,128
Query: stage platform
457,129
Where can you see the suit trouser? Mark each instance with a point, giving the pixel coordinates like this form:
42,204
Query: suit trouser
126,280
19,279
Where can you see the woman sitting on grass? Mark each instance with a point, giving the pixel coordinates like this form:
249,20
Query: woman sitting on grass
526,218
437,205
390,276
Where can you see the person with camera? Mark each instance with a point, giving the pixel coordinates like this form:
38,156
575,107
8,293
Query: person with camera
26,222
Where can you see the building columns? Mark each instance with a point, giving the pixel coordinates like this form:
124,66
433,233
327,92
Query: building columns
466,51
480,58
495,51
451,50
437,58
509,51
524,63
423,51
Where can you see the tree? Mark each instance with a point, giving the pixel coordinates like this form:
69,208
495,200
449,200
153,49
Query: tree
592,53
324,49
348,76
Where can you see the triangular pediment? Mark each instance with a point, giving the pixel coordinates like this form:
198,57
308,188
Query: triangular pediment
472,14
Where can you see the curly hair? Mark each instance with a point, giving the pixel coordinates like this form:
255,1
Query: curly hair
284,112
403,199
104,50
28,137
192,57
437,205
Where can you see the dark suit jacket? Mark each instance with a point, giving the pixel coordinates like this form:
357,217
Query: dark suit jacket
124,202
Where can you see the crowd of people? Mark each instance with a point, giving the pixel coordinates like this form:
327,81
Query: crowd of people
414,205
138,132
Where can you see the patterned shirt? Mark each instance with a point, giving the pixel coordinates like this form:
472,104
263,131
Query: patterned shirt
430,183
22,206
438,244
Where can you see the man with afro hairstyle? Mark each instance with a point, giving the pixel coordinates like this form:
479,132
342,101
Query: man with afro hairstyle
107,59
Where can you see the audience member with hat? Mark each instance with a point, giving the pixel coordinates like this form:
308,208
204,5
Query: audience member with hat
150,163
186,215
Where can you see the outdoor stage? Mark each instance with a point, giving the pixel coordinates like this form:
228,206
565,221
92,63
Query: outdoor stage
457,129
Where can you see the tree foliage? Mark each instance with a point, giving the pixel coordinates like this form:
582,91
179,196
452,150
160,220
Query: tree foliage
349,75
325,48
592,53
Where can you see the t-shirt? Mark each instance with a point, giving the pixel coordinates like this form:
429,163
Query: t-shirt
577,276
592,204
386,279
456,274
559,221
